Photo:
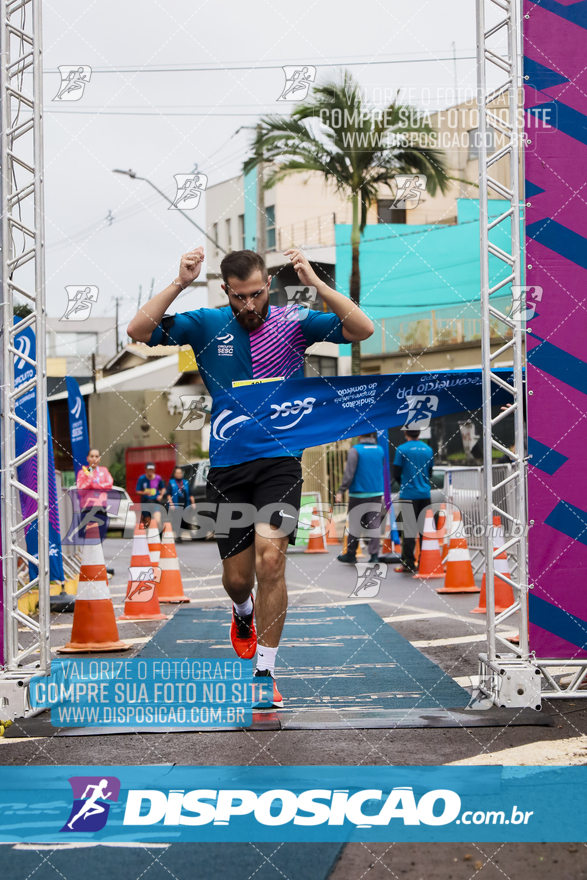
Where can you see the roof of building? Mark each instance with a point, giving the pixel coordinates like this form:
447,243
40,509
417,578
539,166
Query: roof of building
141,350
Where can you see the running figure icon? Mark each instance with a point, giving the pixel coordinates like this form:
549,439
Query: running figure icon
91,808
73,82
80,300
297,83
189,189
410,188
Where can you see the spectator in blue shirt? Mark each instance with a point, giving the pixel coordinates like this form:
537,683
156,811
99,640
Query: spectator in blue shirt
151,489
412,468
363,477
178,494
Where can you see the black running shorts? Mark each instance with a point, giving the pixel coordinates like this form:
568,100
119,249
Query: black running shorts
262,483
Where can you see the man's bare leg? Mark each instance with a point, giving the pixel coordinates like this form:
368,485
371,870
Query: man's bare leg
238,575
270,550
266,557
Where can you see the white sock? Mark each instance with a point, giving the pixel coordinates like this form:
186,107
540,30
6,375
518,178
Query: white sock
245,608
266,658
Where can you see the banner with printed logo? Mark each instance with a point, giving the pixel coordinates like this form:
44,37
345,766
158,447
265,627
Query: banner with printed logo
280,418
26,407
73,804
78,424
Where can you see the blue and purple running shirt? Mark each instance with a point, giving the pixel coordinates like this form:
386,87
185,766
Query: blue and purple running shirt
225,352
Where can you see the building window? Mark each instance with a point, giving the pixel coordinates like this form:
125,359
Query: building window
215,237
317,365
474,142
270,217
74,344
228,235
241,231
387,214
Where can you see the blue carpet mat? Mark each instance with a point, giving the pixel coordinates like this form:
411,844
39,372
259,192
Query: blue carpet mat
343,658
183,861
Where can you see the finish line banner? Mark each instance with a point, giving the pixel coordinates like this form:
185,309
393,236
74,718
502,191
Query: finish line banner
281,418
172,804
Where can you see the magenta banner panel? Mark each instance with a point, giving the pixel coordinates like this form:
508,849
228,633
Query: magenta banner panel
555,70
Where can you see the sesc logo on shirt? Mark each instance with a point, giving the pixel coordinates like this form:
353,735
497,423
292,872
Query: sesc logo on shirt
224,347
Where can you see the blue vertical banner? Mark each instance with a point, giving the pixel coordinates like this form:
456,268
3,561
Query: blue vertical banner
26,409
78,424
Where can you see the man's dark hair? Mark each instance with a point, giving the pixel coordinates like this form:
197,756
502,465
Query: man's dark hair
241,265
371,435
413,435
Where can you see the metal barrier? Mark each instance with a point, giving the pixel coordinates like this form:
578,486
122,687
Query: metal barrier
464,488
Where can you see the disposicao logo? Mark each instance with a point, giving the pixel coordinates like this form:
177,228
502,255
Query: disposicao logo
92,798
281,806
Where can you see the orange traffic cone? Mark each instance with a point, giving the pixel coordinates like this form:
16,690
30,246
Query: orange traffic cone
332,537
503,593
141,601
94,624
154,542
430,559
442,533
170,587
345,546
387,546
459,576
317,538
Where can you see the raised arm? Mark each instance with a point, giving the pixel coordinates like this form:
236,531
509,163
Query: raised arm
149,316
356,326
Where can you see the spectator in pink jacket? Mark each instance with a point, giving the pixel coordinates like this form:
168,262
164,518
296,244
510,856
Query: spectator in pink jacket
93,484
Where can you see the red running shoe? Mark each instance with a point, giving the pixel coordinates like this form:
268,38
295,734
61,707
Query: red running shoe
243,634
277,698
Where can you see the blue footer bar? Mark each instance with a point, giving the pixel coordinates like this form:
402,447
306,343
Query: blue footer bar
230,804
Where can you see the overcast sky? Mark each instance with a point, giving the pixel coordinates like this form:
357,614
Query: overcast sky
134,114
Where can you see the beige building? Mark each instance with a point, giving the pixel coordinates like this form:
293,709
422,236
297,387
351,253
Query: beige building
303,210
136,402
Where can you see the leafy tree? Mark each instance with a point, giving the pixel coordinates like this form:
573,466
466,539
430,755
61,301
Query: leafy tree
118,468
357,147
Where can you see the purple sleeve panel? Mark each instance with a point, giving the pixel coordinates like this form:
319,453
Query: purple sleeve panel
555,103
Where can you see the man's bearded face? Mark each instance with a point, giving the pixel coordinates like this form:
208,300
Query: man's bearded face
249,300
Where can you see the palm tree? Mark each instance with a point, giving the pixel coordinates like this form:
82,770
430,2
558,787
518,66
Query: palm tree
356,147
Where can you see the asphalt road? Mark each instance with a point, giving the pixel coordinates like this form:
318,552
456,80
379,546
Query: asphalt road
441,626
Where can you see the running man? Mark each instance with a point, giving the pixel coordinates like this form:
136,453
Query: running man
249,339
91,808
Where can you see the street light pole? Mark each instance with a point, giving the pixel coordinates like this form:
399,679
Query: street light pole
261,216
135,176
